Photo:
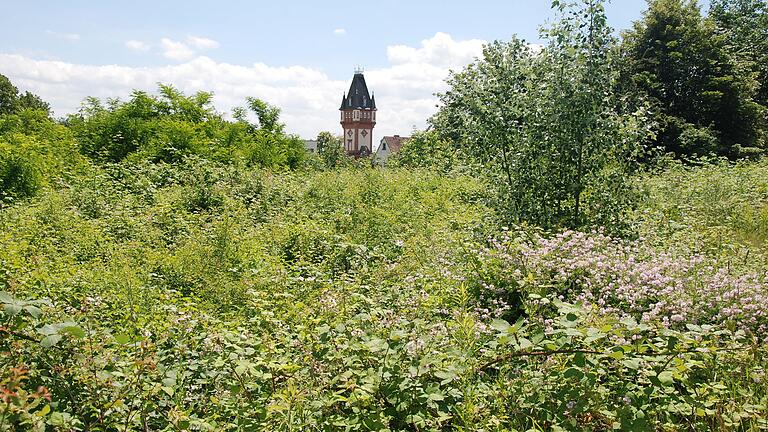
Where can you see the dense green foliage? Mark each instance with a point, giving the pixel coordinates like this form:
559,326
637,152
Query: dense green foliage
171,125
705,101
514,268
200,296
330,148
426,149
12,102
549,129
35,151
744,24
718,209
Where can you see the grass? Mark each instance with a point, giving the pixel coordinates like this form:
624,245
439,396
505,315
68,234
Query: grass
201,296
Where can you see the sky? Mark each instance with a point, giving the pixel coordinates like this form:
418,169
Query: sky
298,55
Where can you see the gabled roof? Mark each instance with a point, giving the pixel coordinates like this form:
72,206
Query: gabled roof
394,143
358,96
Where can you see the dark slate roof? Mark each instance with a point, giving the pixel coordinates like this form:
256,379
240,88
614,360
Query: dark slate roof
358,96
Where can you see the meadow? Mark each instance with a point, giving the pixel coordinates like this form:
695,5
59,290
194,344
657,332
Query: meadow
203,296
577,242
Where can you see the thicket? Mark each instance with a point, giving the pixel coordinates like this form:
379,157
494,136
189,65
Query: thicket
704,94
205,296
168,126
13,102
552,133
559,131
164,268
35,151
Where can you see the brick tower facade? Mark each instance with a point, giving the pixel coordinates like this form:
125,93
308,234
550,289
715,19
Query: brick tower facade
358,117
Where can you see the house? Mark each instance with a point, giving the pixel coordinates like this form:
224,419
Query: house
310,145
388,146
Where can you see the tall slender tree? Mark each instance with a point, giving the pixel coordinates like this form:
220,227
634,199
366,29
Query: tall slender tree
549,127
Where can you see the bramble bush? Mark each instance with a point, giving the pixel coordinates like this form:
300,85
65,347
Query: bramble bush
631,279
208,296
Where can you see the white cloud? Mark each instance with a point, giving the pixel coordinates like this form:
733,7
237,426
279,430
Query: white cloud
136,45
187,50
309,99
175,50
201,42
439,50
72,37
340,31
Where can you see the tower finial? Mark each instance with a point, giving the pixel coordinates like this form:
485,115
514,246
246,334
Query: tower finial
359,70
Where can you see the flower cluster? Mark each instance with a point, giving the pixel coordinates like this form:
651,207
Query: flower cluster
629,278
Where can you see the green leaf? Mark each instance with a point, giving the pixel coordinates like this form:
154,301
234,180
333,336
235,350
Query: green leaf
123,339
34,311
74,330
580,360
632,363
523,343
11,309
666,378
500,325
573,373
50,340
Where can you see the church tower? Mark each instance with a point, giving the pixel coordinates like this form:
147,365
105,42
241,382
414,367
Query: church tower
358,117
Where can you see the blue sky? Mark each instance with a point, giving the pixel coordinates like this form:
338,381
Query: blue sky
299,55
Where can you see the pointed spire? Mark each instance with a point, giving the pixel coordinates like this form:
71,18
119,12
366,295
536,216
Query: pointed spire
358,95
343,100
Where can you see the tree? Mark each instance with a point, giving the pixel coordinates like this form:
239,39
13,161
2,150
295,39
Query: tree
268,115
744,23
8,96
426,149
171,125
11,102
331,149
549,128
678,60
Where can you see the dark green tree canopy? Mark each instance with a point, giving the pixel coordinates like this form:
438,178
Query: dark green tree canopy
677,58
11,101
744,23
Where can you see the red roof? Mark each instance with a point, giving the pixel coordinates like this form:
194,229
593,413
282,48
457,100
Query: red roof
394,143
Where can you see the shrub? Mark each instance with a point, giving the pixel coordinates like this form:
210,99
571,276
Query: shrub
20,175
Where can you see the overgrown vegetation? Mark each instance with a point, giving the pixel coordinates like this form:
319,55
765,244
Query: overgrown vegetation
172,125
524,265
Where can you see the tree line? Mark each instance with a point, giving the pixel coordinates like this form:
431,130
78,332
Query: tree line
559,132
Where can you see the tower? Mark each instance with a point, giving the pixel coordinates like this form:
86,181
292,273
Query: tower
358,117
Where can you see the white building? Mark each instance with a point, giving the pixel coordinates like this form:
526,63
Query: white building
310,145
388,146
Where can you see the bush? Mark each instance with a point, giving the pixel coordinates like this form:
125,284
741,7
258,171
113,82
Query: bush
171,126
20,175
548,131
698,141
